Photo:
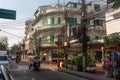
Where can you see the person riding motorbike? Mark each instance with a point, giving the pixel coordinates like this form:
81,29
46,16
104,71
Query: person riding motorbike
34,62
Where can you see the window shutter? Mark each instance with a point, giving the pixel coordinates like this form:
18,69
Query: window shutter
88,22
59,37
52,39
59,20
52,20
75,20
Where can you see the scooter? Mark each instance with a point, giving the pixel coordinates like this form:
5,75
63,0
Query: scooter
36,65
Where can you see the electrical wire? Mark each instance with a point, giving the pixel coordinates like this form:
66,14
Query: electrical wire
12,34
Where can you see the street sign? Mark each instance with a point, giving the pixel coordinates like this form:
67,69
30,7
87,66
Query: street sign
7,14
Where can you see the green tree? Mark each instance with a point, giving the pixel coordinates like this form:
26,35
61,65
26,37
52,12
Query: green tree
112,40
13,49
116,4
2,46
3,43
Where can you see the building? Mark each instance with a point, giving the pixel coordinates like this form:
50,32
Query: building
60,24
29,49
113,21
96,29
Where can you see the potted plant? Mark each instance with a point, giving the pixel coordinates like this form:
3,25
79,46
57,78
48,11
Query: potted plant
111,42
108,66
90,62
70,64
75,63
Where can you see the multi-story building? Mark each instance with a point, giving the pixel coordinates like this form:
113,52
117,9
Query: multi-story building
60,23
112,21
27,41
95,29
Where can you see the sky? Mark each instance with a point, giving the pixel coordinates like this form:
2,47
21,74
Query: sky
25,9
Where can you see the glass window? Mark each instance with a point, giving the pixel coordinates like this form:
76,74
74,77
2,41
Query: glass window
75,5
97,37
96,7
97,22
3,58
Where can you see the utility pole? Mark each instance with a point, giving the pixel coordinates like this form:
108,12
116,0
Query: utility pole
83,33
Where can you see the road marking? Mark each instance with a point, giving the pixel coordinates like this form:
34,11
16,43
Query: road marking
33,78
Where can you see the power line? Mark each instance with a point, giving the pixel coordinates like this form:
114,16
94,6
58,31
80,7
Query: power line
12,34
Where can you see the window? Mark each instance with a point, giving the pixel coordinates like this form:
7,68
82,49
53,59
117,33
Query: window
71,20
97,22
97,37
3,58
96,7
88,22
52,20
52,39
46,21
59,37
59,20
73,32
75,5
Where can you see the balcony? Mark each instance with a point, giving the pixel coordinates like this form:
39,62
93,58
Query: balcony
55,26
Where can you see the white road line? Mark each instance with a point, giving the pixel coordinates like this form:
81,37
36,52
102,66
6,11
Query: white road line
33,78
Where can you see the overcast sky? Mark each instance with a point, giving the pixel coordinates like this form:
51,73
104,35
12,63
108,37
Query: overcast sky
14,29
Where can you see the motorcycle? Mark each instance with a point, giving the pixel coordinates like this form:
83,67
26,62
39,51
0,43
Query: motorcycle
36,65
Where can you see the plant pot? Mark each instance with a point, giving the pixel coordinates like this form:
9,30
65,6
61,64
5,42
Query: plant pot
91,69
75,67
70,66
108,73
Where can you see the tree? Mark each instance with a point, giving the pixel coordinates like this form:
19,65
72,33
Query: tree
3,43
2,46
13,49
112,40
116,4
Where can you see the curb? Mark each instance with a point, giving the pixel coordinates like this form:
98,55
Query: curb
82,74
71,72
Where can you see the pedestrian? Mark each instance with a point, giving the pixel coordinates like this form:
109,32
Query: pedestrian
17,57
31,61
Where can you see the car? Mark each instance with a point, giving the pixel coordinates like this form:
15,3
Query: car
4,61
13,57
5,74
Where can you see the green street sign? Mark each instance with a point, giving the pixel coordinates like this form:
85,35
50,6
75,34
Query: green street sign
7,14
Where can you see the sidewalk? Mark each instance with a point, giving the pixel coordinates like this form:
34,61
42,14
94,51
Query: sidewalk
99,75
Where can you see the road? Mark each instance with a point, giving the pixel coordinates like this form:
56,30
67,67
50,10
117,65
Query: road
20,72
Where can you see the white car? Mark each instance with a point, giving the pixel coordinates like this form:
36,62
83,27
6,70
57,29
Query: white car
4,61
5,74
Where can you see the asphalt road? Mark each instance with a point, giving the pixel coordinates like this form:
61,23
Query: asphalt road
20,72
